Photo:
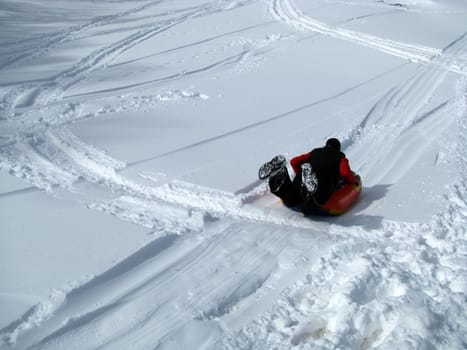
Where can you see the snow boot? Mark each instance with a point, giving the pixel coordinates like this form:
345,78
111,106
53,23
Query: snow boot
267,169
309,184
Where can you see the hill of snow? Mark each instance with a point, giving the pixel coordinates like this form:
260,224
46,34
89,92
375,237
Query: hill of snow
131,132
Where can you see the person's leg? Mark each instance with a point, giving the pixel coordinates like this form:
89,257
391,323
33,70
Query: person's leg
309,182
308,193
282,187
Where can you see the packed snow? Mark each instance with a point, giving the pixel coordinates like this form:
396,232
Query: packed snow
131,132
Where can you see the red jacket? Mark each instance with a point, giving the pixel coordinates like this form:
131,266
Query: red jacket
344,168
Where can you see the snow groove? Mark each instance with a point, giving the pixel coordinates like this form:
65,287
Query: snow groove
55,87
362,293
286,11
405,110
154,274
56,157
226,62
239,270
49,41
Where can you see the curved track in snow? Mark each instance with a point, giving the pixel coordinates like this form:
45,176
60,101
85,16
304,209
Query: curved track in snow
286,11
239,271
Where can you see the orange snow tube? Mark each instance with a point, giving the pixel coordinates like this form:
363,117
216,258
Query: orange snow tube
343,198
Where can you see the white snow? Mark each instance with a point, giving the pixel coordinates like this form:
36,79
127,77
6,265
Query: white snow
131,132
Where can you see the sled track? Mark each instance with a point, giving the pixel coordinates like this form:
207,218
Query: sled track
57,158
54,88
365,277
225,63
96,314
47,42
30,149
154,274
286,11
404,110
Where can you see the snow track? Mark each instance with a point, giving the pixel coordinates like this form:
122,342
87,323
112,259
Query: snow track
404,111
224,269
364,289
286,11
55,87
47,42
147,282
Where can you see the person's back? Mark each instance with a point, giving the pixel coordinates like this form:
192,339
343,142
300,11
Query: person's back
329,165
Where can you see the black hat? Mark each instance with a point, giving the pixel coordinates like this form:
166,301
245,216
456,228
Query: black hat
333,143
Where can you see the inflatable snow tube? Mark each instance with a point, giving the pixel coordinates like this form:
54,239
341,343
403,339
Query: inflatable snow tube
342,199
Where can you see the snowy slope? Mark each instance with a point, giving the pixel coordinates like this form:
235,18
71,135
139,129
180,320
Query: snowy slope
130,137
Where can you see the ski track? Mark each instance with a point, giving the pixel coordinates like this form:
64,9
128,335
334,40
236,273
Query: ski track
224,63
152,274
118,309
47,42
401,114
30,113
286,11
56,86
362,291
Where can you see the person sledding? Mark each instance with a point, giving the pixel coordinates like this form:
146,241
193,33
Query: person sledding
321,182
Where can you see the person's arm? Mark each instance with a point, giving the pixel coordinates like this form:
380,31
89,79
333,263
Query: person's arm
345,171
296,162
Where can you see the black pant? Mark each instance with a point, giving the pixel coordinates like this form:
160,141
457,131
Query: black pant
290,192
281,186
